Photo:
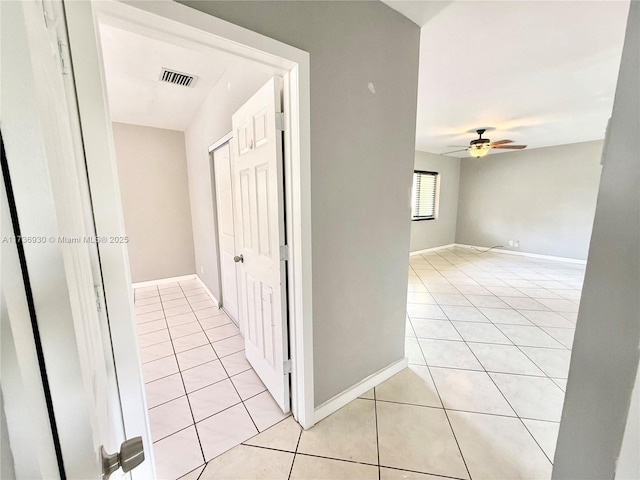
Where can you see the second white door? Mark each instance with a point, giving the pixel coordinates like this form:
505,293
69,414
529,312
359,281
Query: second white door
226,234
258,182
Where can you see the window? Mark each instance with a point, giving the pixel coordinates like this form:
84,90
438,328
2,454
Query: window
423,195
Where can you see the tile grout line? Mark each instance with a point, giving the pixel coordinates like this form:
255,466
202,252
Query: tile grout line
467,369
441,403
347,461
498,325
295,453
184,386
562,349
507,400
464,461
241,400
457,409
375,413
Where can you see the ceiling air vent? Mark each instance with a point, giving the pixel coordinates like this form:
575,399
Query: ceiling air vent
177,78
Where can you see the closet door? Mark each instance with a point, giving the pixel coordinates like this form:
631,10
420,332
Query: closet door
226,235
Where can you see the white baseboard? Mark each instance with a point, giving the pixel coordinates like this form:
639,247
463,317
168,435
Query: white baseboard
163,280
524,254
433,249
340,400
213,297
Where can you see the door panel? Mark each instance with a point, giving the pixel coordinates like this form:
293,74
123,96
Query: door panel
245,208
259,181
263,219
243,133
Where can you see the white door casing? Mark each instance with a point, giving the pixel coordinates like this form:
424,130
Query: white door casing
226,234
258,183
177,22
44,151
101,168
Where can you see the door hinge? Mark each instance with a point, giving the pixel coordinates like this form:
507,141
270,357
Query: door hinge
287,366
284,252
98,302
65,58
280,121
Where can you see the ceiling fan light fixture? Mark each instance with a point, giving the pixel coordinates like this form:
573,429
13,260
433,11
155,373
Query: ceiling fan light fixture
479,150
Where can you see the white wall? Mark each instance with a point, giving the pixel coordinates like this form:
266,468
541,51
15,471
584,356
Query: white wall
604,359
209,124
152,169
6,457
442,230
545,198
362,156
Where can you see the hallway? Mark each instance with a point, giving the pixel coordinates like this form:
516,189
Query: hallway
203,396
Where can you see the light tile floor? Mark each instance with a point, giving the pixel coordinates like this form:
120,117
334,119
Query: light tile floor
488,340
203,396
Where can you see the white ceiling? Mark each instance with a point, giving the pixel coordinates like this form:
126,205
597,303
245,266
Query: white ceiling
133,63
541,73
132,69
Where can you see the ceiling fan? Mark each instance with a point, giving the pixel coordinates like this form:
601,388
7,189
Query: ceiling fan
481,146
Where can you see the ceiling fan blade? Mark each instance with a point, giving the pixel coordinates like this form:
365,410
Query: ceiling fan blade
458,146
455,151
510,147
501,142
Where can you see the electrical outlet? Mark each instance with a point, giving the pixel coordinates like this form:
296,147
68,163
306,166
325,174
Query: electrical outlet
511,243
516,244
201,269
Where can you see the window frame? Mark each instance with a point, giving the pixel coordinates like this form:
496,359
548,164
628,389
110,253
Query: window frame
435,195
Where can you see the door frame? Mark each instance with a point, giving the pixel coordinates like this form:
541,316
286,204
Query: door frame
186,25
43,140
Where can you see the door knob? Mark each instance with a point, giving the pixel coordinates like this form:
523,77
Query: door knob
238,258
131,455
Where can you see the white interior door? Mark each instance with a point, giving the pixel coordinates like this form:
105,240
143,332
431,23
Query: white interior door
45,159
226,234
260,237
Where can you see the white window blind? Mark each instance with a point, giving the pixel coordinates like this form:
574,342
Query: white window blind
423,195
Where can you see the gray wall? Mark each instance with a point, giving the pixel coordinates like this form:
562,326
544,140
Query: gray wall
628,467
442,230
362,155
545,198
208,125
152,169
605,355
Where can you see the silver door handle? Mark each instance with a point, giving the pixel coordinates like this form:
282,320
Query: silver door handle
131,455
238,258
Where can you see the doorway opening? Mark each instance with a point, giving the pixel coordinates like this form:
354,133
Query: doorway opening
186,342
